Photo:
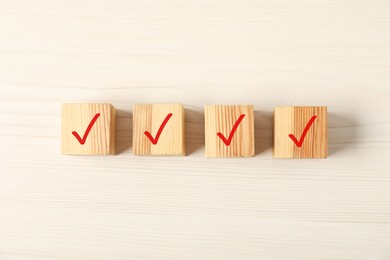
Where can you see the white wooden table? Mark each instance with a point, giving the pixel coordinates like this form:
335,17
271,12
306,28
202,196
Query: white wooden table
261,52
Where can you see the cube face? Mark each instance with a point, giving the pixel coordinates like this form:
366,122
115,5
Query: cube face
158,129
229,131
88,129
300,132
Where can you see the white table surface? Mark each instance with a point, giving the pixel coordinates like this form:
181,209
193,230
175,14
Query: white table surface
261,52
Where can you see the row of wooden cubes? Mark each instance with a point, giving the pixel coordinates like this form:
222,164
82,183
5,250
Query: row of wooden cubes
159,129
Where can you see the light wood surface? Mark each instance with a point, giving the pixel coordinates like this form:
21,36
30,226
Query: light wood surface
265,53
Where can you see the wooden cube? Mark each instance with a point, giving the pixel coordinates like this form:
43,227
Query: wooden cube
229,131
158,129
88,129
300,132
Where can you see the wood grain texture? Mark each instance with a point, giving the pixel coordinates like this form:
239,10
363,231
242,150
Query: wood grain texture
100,140
150,117
221,119
265,53
293,120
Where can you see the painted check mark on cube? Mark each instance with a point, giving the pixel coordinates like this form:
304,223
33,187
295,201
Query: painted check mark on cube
88,128
159,129
155,140
82,140
232,132
307,127
300,132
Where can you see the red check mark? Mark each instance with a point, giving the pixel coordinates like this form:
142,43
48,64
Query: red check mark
234,129
155,140
307,127
82,141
